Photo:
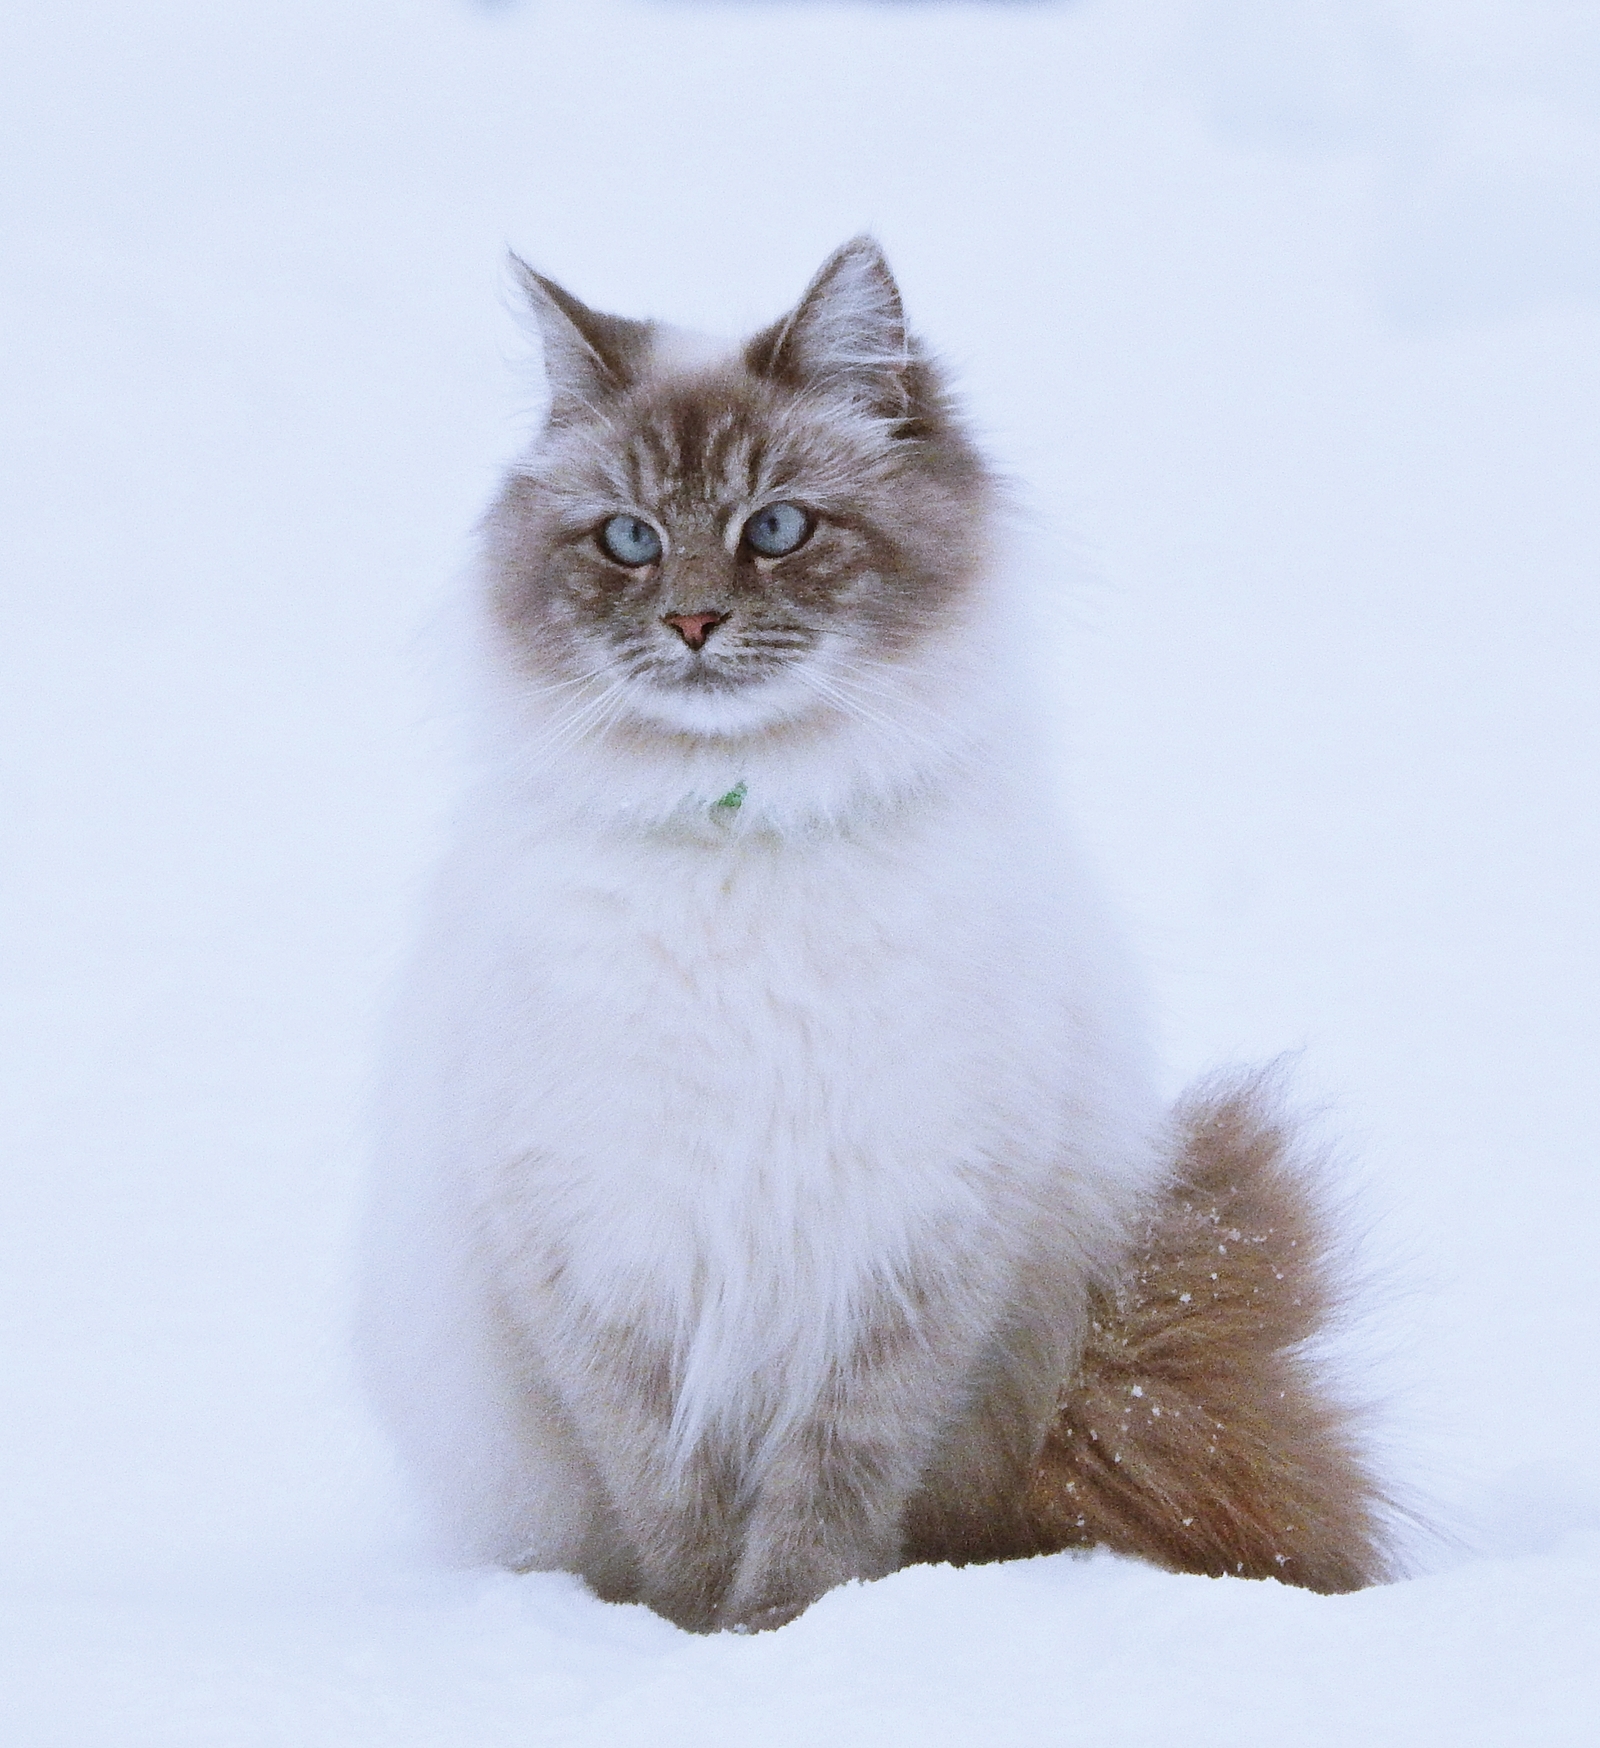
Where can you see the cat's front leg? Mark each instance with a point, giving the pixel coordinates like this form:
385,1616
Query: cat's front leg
829,1502
672,1518
829,1511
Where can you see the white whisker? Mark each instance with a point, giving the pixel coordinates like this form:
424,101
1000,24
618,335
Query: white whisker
836,691
590,715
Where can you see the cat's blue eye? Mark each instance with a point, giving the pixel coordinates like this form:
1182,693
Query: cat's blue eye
778,529
631,541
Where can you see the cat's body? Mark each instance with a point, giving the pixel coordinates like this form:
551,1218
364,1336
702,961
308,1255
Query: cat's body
769,1103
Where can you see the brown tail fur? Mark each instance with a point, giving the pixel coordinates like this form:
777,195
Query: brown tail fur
1198,1434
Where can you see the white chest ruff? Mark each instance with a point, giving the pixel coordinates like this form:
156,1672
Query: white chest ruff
744,1089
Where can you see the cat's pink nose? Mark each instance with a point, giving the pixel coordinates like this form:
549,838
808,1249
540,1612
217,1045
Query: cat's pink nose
694,628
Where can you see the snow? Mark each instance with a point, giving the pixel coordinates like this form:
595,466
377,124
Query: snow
1054,1650
1289,318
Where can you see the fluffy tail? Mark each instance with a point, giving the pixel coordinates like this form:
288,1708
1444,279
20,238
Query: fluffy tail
1198,1433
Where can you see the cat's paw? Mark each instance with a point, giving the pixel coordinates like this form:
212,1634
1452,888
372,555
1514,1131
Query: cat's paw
761,1617
769,1591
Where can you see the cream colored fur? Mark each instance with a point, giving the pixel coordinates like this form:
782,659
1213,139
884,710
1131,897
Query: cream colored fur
745,1171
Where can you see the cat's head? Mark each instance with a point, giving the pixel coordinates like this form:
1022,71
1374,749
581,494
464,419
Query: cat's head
718,540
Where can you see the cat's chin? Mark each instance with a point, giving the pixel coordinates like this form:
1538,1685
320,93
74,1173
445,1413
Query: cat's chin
737,713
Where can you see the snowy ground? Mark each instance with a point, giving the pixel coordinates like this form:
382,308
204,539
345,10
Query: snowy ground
1289,316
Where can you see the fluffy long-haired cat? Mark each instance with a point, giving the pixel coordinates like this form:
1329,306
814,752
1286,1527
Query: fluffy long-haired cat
772,1190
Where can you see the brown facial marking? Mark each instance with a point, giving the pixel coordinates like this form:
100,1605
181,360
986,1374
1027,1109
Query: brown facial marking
898,500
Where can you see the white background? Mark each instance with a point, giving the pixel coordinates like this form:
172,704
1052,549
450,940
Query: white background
1287,317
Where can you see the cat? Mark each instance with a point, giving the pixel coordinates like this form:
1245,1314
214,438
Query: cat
773,1185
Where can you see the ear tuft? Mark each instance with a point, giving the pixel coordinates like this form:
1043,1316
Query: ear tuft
588,356
847,334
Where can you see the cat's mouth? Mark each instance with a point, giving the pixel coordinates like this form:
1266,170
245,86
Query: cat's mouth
740,687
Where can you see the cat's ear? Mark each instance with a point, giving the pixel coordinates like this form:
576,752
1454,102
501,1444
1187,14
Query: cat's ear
588,357
846,335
